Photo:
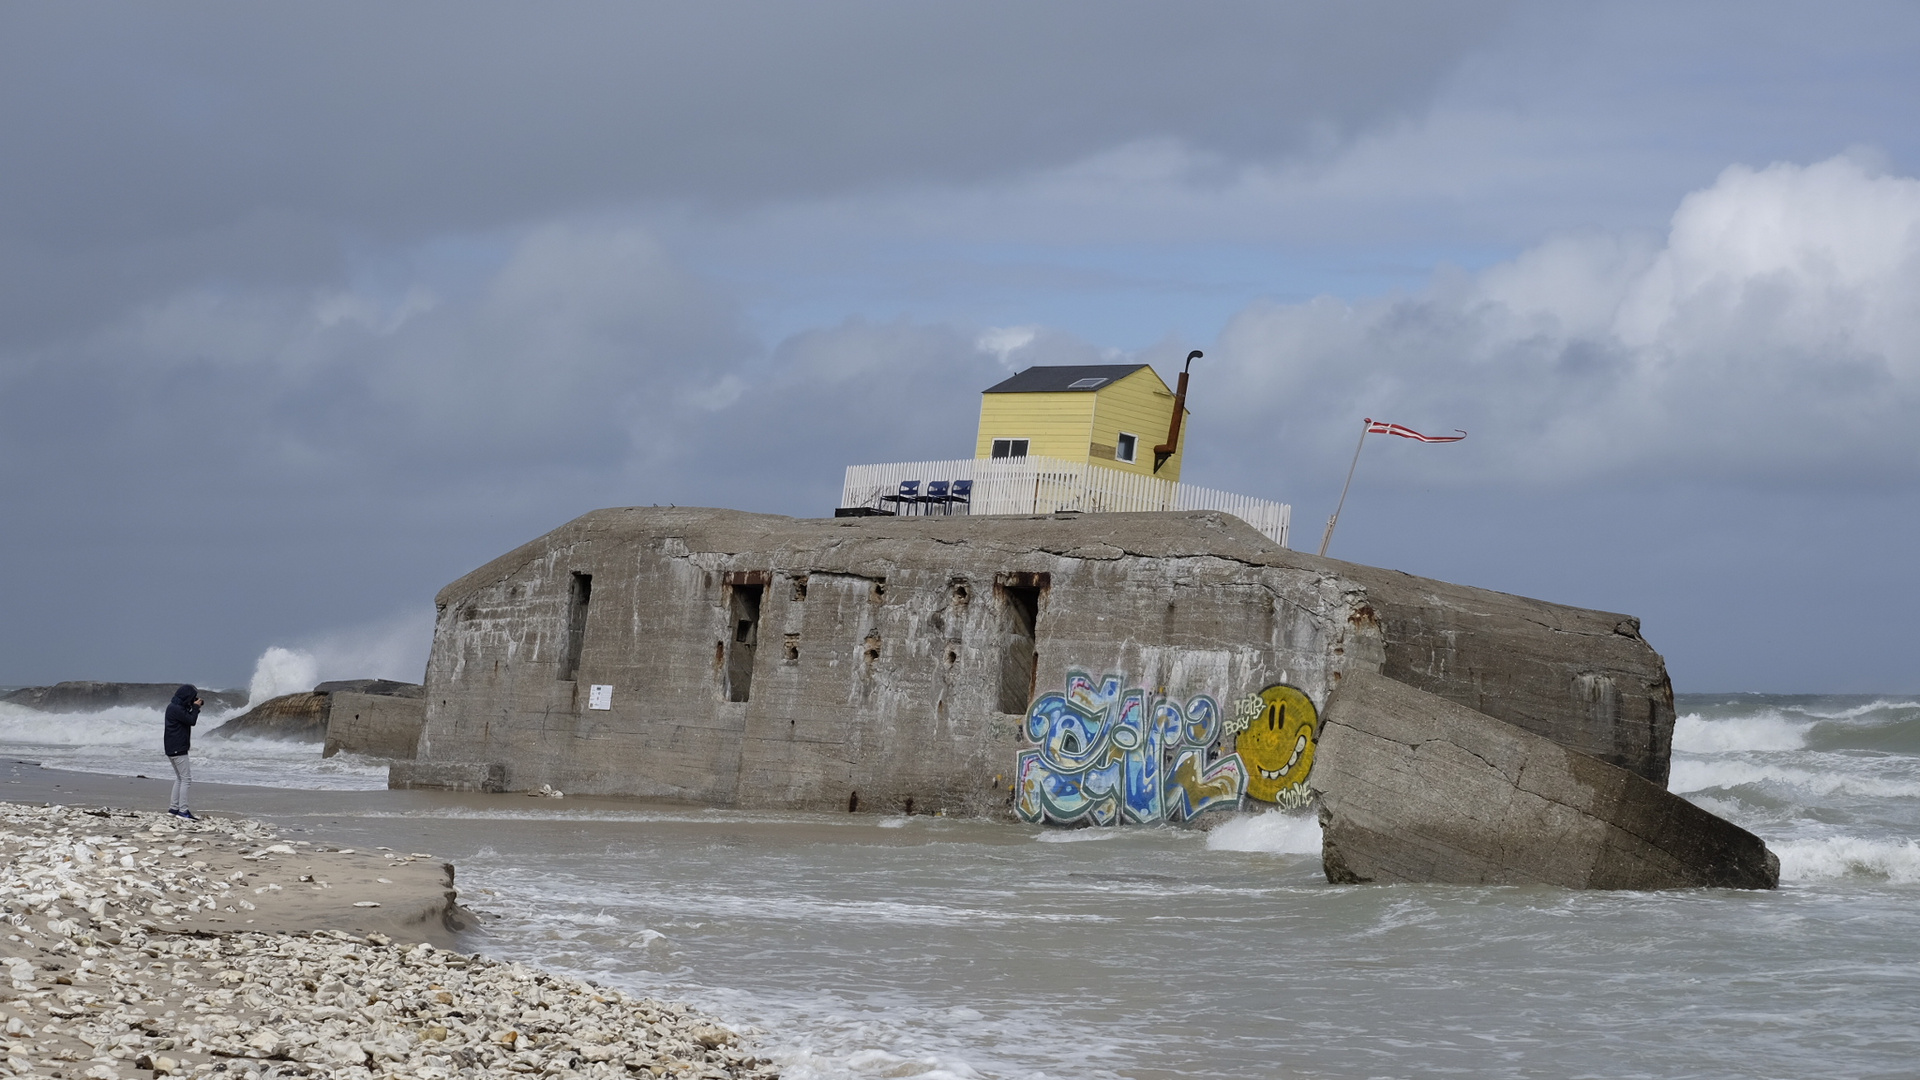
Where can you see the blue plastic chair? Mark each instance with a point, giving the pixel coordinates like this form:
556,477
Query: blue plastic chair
962,493
909,494
936,495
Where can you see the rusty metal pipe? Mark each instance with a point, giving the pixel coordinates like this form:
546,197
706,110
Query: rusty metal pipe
1167,449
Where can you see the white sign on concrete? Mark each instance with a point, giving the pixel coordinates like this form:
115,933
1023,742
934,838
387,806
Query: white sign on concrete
600,697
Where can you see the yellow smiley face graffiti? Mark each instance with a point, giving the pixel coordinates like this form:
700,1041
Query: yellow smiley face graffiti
1277,745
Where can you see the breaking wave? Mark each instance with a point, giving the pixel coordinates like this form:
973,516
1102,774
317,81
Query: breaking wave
1841,858
1693,775
1768,730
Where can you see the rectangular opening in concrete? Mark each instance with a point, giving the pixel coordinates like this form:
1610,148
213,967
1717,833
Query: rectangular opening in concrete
743,606
1019,613
579,595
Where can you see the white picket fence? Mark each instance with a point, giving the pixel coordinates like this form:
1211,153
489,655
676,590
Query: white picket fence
1037,485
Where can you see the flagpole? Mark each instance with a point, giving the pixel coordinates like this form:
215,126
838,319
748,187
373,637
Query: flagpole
1365,426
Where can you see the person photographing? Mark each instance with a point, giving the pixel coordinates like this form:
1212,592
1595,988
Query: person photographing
182,713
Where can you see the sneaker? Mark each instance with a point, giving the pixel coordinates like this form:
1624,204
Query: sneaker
188,814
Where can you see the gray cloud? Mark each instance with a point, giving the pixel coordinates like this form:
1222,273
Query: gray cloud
153,145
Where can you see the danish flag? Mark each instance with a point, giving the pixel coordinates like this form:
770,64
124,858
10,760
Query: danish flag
1381,427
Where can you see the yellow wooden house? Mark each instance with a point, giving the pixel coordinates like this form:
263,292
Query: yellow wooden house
1110,415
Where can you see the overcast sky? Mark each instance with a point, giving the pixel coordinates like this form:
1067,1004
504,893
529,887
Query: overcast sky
306,310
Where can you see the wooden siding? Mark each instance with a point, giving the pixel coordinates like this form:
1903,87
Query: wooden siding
1140,405
1058,425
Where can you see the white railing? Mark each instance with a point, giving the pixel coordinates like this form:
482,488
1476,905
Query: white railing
1037,485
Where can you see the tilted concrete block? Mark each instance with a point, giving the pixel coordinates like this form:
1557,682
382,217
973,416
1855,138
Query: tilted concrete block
1416,788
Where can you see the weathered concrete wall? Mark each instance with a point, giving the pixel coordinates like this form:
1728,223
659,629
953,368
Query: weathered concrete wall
1415,788
377,725
1171,662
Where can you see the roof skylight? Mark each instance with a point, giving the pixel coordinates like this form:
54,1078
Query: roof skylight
1084,384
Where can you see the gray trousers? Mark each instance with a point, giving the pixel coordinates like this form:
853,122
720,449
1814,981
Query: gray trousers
182,780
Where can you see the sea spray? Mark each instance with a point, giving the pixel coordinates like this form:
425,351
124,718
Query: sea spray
282,671
1276,832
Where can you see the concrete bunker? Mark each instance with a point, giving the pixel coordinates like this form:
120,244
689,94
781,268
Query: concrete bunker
1124,668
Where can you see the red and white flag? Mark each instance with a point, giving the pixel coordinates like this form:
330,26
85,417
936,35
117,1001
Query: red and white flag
1381,427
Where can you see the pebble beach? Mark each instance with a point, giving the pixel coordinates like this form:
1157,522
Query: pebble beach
140,944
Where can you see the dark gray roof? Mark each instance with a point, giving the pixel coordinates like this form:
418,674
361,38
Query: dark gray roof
1048,380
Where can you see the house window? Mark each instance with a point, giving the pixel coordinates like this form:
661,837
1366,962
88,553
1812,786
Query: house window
1124,449
1009,448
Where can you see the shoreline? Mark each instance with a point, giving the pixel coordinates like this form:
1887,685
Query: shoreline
142,944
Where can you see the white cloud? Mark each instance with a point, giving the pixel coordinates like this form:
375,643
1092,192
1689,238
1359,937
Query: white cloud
1774,335
1004,341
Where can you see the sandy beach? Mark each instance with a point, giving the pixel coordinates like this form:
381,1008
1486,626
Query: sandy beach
140,944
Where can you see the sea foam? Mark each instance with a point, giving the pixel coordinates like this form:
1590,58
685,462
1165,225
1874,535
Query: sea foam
1275,832
1696,774
1838,858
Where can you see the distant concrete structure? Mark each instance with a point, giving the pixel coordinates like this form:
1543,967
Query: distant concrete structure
1070,669
297,717
374,717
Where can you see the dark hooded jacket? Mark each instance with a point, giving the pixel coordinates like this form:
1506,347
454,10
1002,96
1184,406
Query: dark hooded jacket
181,714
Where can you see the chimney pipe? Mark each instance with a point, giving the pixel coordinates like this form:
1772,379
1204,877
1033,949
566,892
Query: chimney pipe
1167,449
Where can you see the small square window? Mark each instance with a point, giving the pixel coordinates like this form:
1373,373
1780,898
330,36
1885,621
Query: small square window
1084,384
1126,446
1009,448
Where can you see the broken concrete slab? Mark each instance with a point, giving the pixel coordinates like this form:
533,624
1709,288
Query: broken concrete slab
379,687
377,725
1416,788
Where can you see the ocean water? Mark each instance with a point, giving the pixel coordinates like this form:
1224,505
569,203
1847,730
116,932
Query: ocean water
865,946
125,741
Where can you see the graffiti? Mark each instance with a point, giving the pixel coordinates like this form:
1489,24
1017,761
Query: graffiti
1102,754
1277,743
